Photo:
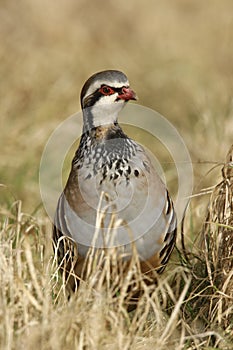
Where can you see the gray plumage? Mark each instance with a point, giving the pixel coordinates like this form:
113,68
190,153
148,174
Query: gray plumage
112,173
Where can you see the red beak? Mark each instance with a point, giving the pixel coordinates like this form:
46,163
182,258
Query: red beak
127,94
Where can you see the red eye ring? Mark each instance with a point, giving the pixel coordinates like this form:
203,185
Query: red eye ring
106,90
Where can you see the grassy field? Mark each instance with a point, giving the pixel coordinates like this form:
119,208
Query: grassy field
178,56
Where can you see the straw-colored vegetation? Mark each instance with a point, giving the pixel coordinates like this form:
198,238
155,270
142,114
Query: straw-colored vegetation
178,56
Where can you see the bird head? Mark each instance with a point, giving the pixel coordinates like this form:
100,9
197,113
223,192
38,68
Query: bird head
104,95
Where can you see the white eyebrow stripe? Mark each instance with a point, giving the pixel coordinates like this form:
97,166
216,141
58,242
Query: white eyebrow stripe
98,84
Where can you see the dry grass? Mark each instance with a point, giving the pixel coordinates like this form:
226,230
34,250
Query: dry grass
176,313
217,236
178,56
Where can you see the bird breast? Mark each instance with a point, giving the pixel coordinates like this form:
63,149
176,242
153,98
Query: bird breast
124,195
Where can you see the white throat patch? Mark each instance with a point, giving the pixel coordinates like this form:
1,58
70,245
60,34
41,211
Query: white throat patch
106,110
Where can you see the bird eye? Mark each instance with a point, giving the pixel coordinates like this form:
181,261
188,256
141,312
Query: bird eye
106,90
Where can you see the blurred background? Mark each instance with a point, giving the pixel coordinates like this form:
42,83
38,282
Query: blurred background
177,54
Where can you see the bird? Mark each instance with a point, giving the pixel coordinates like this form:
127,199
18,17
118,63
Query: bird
114,196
